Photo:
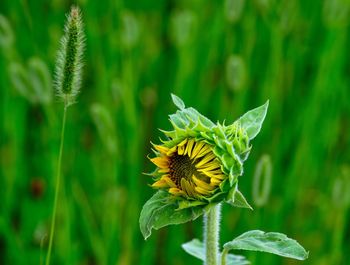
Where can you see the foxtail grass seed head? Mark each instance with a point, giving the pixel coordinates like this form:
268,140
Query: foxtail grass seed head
69,60
199,161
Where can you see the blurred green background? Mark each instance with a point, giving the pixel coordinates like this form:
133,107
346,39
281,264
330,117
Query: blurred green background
221,57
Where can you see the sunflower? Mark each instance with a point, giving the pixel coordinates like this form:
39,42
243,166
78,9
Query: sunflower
189,169
198,165
199,162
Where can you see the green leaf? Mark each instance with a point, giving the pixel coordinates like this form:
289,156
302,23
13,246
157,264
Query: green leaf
178,102
275,243
253,120
236,260
160,210
196,248
177,121
236,199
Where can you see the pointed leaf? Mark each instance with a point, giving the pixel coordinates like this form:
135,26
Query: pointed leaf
253,120
160,210
196,248
236,199
195,115
178,102
275,243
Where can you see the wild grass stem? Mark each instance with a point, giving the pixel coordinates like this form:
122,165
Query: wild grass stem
57,186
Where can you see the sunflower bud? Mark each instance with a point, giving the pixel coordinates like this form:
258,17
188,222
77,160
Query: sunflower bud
200,161
198,165
69,59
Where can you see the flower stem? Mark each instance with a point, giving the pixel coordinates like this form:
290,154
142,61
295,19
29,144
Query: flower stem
57,187
211,235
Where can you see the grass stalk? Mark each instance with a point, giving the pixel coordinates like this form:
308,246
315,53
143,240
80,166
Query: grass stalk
57,187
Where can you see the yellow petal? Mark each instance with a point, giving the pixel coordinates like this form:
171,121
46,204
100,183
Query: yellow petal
211,166
168,180
182,143
215,181
202,184
160,184
202,191
205,150
176,191
171,151
197,147
161,162
189,147
180,150
161,148
216,171
187,187
205,160
210,174
164,170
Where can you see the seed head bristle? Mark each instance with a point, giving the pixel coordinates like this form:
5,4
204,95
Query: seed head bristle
69,58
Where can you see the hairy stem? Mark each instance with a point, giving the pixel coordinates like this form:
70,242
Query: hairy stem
57,187
211,235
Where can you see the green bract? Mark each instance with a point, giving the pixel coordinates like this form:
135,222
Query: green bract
231,146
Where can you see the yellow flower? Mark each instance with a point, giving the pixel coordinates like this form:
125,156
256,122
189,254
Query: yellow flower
189,169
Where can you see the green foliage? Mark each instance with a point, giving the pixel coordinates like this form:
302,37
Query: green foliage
161,210
236,199
178,102
255,240
196,248
252,121
274,243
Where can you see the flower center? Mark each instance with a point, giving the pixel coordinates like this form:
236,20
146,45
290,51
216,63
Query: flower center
182,166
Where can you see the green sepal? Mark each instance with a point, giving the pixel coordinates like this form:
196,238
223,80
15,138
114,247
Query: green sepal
236,199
